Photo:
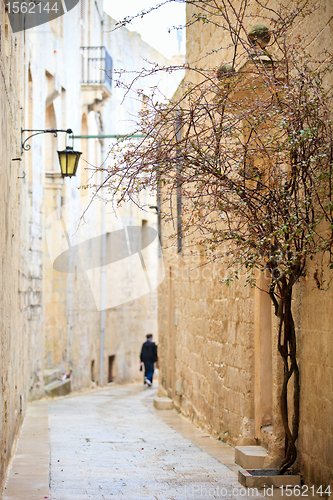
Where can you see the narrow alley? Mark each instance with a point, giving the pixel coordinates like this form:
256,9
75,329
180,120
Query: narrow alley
113,444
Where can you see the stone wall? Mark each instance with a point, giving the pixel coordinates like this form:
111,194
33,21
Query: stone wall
207,342
315,341
54,102
21,331
127,324
218,344
73,317
11,332
314,328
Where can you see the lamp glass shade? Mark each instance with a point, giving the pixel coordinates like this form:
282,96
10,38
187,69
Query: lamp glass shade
69,161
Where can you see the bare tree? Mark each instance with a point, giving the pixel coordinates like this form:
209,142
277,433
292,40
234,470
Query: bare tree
249,146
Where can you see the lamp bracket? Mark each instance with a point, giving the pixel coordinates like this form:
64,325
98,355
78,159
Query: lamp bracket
26,147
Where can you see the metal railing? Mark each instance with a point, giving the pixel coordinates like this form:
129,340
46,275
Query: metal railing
96,66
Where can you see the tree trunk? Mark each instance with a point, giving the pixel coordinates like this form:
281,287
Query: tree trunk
287,349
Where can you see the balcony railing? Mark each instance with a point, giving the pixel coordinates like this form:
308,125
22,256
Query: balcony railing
96,67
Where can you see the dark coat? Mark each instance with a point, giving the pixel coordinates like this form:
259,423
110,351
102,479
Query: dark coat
148,352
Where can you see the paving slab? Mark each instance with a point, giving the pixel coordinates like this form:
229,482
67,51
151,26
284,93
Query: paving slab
113,444
28,474
110,445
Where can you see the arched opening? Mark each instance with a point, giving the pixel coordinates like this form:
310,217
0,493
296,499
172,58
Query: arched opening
51,159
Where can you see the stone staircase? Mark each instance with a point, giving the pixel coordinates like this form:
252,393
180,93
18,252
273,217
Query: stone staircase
53,386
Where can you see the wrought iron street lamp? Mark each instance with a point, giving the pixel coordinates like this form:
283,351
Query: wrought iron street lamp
69,161
68,158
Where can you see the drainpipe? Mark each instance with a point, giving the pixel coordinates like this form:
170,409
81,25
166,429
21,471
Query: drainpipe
103,284
103,229
103,262
100,14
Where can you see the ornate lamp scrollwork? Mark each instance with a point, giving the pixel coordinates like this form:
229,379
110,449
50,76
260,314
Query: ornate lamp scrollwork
27,147
68,159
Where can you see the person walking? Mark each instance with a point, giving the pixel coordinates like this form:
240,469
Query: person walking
148,357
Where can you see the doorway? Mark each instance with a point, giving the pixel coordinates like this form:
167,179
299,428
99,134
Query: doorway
263,362
110,370
92,370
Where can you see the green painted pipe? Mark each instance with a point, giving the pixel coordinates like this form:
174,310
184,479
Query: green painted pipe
135,136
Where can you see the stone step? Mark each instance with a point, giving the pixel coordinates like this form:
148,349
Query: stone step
163,403
250,457
51,375
268,478
58,388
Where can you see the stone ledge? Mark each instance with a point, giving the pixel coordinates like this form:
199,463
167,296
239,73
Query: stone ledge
50,375
247,479
250,457
163,403
58,388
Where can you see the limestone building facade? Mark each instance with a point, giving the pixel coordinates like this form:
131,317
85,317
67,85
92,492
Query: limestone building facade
218,344
15,295
56,313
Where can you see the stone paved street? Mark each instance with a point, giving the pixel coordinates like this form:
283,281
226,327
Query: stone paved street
112,444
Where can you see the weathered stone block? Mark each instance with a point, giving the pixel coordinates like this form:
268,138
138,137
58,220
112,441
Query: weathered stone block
163,403
58,388
51,375
250,457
